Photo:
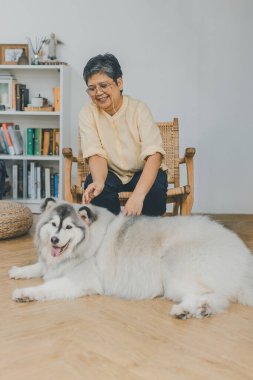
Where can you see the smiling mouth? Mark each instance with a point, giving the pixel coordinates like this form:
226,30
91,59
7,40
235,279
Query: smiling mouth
57,251
102,99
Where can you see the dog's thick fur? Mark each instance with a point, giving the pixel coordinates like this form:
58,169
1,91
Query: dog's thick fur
87,250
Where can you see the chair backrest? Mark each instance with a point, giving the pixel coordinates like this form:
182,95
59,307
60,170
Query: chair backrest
170,137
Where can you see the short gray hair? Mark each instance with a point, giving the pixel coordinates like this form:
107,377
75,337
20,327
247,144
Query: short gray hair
106,63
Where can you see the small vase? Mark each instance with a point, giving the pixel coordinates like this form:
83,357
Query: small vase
35,60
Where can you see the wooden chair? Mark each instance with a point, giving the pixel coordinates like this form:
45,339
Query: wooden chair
180,196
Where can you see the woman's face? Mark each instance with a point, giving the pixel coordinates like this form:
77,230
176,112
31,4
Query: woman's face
105,93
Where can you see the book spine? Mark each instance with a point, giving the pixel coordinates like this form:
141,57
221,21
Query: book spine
37,141
17,96
28,183
5,141
3,149
29,141
38,184
56,185
33,180
15,181
20,181
51,142
46,141
13,94
47,183
16,139
52,184
8,139
56,91
43,192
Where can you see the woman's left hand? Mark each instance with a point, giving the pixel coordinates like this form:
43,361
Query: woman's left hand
134,205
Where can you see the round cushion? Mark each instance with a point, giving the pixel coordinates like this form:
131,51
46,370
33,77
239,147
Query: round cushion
15,219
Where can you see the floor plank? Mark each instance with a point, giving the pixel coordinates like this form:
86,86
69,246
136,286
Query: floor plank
105,338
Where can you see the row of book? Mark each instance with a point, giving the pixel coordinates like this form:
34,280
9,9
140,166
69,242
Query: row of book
15,96
20,97
11,140
44,142
37,183
39,141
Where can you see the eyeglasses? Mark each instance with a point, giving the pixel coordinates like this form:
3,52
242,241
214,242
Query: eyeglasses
103,86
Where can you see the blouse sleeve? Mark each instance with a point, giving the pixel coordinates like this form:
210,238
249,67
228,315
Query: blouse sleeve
90,141
151,140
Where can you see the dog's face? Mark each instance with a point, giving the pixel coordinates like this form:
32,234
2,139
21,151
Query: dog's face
61,230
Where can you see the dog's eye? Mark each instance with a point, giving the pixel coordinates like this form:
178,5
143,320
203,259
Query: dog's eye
53,224
68,227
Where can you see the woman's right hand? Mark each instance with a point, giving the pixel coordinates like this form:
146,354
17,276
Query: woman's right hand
92,191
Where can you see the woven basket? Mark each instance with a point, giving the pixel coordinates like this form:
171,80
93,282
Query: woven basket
15,219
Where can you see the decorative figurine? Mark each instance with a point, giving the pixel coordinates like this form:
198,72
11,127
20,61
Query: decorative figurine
52,42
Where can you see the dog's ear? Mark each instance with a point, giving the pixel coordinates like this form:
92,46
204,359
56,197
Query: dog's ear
47,204
87,215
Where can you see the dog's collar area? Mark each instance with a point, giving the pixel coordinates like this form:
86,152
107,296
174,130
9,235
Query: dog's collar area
57,251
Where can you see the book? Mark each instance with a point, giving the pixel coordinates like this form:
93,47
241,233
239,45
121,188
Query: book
37,141
8,139
28,183
3,149
52,184
47,183
16,138
51,142
30,141
56,91
15,181
46,141
20,181
33,180
4,141
19,91
42,172
56,185
56,141
38,182
13,94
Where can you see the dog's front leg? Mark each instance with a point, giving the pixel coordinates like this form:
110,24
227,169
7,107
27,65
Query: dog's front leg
59,288
28,271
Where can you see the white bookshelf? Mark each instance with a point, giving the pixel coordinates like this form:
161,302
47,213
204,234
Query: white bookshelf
40,80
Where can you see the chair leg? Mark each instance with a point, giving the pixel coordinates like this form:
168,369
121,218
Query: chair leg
176,206
185,208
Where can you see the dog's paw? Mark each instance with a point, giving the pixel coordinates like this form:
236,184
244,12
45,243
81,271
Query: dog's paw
180,312
204,311
22,295
15,272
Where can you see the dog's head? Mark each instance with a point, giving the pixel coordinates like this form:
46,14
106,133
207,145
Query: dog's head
62,229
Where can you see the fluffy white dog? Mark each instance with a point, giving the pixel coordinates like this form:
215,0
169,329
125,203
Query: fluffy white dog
87,250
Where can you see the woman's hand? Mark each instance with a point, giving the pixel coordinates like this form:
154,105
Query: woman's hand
92,191
134,205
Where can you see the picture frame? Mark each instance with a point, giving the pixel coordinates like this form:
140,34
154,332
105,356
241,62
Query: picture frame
10,53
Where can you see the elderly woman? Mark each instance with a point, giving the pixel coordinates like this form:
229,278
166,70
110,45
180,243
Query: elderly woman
122,144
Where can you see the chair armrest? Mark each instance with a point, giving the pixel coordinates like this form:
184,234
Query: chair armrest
68,159
188,160
189,153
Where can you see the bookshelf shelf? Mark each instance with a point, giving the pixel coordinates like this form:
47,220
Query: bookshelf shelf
34,168
29,158
30,113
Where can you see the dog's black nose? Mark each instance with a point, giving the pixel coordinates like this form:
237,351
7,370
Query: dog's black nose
54,240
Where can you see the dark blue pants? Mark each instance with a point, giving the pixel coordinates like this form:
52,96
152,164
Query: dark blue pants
154,202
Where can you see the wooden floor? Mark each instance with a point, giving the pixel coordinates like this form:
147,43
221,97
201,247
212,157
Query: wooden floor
103,338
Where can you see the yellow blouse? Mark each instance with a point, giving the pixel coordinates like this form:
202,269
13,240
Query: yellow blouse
124,139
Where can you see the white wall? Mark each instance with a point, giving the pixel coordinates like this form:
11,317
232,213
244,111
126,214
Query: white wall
187,58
